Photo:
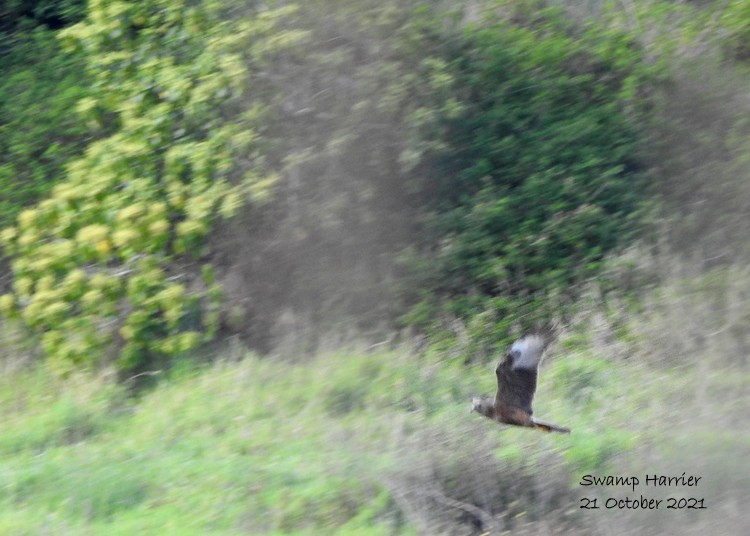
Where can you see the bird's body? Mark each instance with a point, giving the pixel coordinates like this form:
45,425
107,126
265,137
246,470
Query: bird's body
516,385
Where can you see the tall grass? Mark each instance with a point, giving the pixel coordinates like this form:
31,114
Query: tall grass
358,442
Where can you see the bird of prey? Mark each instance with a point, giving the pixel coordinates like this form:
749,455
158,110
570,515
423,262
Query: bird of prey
516,384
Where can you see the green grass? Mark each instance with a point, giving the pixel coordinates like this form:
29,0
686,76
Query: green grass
341,444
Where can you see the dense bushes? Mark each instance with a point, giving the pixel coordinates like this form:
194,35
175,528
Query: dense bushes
468,168
39,128
51,13
531,168
114,254
502,153
410,136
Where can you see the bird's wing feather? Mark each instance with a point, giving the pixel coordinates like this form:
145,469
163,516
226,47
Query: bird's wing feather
515,388
517,374
527,352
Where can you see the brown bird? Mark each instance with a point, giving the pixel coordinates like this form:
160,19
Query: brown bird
516,384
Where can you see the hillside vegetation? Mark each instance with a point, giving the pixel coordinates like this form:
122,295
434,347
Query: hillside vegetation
356,443
256,260
366,442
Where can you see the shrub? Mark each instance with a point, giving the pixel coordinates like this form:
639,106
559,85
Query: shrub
114,254
529,162
39,129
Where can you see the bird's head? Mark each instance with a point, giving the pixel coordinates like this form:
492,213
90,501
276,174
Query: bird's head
481,405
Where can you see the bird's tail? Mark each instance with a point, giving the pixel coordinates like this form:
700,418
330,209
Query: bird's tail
549,427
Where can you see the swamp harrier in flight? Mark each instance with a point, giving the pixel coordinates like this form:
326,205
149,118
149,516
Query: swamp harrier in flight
516,383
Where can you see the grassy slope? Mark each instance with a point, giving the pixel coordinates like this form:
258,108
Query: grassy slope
366,443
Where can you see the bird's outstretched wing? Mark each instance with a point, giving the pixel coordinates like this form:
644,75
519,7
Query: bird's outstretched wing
517,373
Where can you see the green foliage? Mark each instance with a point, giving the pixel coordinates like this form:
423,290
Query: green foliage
51,13
252,446
113,255
205,470
529,162
39,129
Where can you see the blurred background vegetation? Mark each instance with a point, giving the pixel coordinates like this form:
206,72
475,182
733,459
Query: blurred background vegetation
258,256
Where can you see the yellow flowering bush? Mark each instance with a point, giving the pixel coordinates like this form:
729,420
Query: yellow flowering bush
103,266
